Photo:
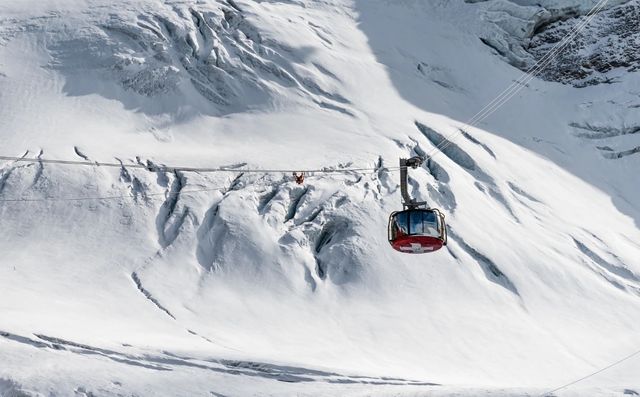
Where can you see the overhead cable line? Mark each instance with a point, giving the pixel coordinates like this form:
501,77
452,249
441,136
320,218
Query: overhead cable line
166,168
620,361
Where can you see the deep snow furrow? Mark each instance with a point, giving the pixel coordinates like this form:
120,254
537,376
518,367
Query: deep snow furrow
296,197
213,230
147,294
440,191
618,155
330,232
80,154
520,192
340,109
448,148
491,271
201,51
484,182
64,342
266,199
168,361
618,270
151,25
77,348
168,220
24,340
39,170
477,142
437,171
5,174
602,132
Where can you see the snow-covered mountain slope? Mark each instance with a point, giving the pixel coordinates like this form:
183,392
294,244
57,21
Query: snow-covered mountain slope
244,283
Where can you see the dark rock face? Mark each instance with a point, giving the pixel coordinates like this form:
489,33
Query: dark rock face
562,41
607,47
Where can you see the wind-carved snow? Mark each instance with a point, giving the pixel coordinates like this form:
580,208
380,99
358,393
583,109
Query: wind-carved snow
615,138
184,282
440,191
605,136
614,271
169,361
484,182
296,217
10,388
172,215
147,294
211,49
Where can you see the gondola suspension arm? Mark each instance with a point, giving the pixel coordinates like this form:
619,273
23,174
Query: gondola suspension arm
407,201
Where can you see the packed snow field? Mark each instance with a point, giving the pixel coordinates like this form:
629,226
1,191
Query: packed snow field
130,282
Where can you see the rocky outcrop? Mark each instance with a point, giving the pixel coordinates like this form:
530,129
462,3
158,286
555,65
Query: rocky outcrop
599,53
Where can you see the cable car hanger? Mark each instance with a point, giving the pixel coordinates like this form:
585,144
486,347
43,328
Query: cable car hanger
407,201
417,229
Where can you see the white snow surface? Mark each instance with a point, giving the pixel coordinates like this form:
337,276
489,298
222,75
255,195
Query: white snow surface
259,286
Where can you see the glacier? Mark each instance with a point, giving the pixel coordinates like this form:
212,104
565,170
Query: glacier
128,282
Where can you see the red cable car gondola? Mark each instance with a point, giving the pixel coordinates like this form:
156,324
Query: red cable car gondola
416,229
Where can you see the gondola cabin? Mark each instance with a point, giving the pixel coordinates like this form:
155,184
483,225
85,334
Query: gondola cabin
417,230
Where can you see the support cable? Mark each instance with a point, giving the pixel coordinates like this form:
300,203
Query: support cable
620,361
